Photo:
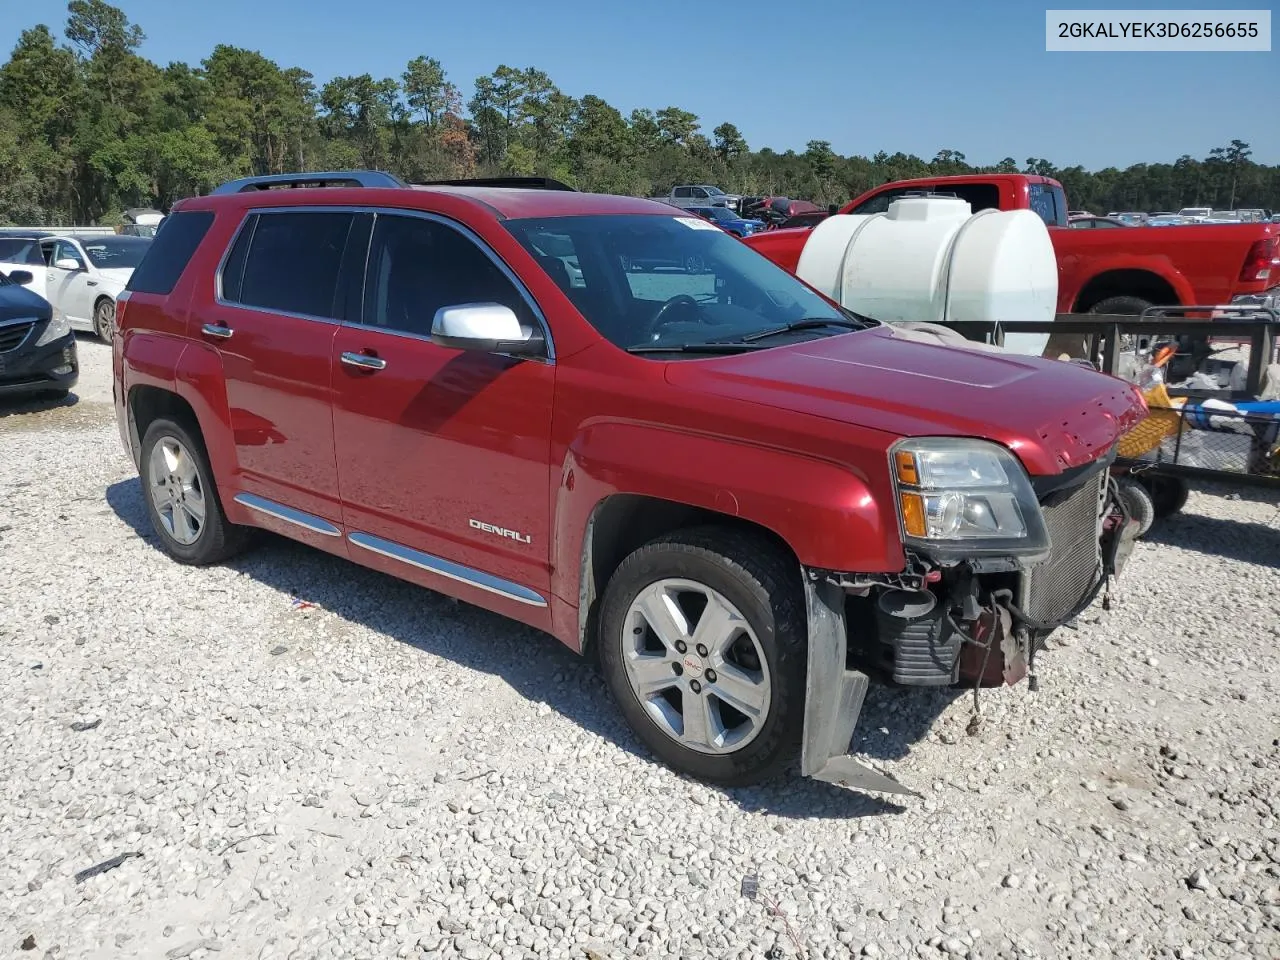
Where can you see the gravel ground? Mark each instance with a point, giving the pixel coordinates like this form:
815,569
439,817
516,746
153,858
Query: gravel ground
389,773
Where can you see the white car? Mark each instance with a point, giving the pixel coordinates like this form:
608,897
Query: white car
85,274
21,251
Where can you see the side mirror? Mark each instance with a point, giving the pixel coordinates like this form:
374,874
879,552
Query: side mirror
66,263
487,327
22,277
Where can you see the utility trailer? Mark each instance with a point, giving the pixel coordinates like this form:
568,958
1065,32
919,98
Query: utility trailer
1192,433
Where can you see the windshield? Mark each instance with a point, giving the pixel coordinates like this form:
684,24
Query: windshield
107,253
673,282
714,191
719,213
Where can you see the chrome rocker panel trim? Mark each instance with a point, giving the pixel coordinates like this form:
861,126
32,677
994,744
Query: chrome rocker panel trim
447,568
288,514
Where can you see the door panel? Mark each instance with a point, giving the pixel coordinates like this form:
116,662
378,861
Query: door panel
277,364
443,451
67,290
440,441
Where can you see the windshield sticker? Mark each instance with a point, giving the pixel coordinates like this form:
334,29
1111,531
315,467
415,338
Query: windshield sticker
693,223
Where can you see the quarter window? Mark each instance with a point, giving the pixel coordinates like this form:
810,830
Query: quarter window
288,262
417,266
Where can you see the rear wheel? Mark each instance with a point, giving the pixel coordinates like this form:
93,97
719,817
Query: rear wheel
1168,494
1137,502
1126,306
182,499
703,643
104,320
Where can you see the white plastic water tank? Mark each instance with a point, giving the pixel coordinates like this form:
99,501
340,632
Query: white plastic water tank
932,260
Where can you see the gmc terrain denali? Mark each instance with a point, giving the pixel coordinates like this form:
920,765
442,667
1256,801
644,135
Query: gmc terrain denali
610,420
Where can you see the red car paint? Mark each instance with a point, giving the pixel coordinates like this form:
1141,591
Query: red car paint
447,447
1187,265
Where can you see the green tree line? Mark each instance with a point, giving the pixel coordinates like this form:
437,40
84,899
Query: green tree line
89,127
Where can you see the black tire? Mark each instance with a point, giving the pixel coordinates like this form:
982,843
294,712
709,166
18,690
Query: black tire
104,319
217,538
764,584
1122,305
1168,494
1137,500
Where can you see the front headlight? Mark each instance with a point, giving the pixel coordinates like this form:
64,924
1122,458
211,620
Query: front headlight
960,498
55,329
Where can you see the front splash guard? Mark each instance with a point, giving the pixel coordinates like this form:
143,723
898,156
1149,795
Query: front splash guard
833,698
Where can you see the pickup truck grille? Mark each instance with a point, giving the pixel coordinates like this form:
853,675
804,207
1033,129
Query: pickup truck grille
12,335
1074,520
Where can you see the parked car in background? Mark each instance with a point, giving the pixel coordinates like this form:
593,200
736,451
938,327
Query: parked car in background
1100,271
1132,217
775,211
727,220
85,275
37,347
700,195
21,251
742,498
1195,214
140,222
1093,223
1073,214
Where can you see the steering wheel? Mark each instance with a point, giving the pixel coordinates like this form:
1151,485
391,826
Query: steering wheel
659,319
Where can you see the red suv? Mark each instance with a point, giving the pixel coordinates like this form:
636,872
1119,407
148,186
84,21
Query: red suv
745,499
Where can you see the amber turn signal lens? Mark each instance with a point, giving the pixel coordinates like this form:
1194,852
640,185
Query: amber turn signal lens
913,514
905,462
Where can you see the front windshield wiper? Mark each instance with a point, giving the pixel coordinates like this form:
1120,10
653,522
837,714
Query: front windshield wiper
809,323
714,346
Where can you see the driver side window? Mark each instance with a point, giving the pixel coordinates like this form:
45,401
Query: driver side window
65,251
416,266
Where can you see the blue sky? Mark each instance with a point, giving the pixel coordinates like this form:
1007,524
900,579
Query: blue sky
910,76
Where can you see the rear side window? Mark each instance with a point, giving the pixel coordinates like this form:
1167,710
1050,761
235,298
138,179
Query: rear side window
20,251
1049,202
288,262
170,251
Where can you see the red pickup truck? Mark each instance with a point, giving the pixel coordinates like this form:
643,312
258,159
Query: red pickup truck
1120,270
744,499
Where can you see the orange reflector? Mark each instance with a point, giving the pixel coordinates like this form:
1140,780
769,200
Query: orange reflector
913,514
906,464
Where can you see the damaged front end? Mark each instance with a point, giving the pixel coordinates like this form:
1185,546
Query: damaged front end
958,615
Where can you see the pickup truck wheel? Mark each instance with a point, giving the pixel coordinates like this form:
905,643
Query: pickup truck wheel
182,499
703,643
1124,305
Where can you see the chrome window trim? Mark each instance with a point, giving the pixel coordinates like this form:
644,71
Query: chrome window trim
466,231
447,568
288,514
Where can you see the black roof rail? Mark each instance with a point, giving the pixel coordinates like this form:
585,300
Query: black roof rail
331,178
510,183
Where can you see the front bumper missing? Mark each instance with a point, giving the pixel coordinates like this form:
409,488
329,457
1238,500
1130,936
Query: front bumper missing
833,697
999,643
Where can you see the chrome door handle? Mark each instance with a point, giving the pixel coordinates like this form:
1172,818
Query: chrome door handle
216,330
364,361
91,283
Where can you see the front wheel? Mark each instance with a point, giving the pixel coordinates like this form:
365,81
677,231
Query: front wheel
703,642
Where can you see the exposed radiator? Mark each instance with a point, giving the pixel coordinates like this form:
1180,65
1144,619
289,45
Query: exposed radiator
1074,520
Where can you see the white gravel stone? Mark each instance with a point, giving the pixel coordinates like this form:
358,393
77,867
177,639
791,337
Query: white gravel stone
412,777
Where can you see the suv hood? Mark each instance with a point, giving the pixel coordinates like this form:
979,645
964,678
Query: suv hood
1054,415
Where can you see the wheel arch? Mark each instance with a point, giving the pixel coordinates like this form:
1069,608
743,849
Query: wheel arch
622,523
147,403
1129,282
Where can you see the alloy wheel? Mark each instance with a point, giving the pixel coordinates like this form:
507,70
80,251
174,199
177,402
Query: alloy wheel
176,490
696,666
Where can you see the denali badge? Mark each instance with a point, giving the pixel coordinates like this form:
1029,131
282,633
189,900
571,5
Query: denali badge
515,535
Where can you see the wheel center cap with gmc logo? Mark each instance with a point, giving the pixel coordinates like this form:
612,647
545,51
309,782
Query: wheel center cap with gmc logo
692,666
